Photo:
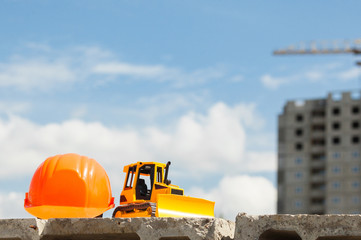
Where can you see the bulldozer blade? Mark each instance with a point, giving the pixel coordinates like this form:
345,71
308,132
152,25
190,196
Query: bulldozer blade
169,205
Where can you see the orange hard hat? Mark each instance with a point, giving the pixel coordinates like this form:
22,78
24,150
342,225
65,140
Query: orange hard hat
69,186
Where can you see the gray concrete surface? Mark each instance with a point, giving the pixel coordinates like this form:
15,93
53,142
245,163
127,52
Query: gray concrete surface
247,227
119,228
18,229
298,227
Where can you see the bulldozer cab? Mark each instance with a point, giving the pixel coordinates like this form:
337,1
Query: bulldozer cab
144,181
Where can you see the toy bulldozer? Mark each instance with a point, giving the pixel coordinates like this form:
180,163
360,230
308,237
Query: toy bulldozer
148,192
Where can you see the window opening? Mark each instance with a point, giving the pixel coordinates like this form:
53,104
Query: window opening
299,132
299,146
336,169
159,175
336,111
336,185
356,184
355,95
298,189
336,200
356,154
130,177
355,109
298,204
298,175
145,182
299,118
336,96
336,155
355,169
355,125
356,199
336,140
336,126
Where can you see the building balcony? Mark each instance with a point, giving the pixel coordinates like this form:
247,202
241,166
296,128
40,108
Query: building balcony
317,193
318,164
318,134
317,149
318,120
317,207
317,178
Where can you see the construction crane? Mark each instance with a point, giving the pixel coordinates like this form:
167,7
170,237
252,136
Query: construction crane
322,47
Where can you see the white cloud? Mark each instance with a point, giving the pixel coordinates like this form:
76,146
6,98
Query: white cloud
157,109
260,161
35,73
47,68
79,111
274,82
314,74
349,74
237,78
169,102
160,73
241,193
207,142
11,107
132,70
199,143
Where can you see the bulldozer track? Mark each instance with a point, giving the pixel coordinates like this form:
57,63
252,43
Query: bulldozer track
137,206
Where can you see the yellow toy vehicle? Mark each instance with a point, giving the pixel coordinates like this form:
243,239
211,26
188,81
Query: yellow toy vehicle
148,192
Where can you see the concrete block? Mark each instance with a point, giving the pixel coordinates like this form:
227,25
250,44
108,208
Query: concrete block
298,227
137,228
117,228
18,229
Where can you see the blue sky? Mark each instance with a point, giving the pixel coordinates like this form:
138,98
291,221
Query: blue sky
191,82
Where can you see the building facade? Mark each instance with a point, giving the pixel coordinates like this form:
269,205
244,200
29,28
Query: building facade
319,163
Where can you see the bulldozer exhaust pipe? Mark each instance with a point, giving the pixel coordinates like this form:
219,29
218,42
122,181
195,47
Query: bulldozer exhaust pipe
166,181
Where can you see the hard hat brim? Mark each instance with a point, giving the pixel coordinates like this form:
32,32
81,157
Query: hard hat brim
48,211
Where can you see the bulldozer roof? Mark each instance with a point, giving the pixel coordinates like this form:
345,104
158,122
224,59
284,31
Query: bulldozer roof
141,164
